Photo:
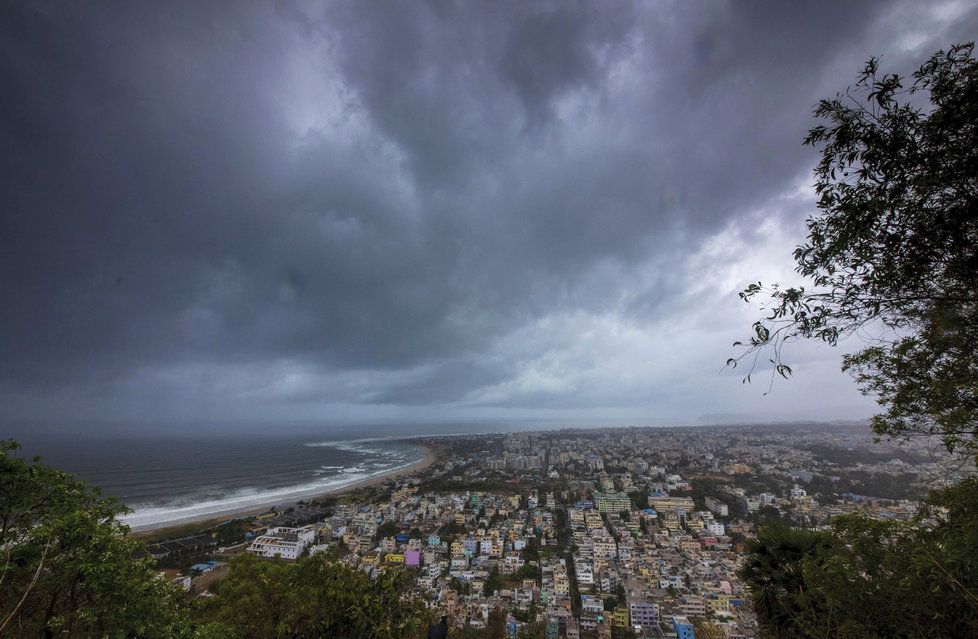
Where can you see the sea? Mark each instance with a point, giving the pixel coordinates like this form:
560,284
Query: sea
170,475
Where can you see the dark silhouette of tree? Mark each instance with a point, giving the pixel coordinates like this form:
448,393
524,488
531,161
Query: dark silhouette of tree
496,624
67,568
493,583
386,529
892,253
775,572
893,250
871,578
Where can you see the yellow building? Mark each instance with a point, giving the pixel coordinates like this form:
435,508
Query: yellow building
620,617
497,548
403,494
370,560
671,503
718,603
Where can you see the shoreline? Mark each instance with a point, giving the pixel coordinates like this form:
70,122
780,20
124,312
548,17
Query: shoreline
206,520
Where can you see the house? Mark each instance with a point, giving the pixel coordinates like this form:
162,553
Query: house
204,567
682,627
286,543
643,613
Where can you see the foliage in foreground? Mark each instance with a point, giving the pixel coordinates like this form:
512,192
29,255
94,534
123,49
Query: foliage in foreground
71,570
869,578
893,251
312,597
68,568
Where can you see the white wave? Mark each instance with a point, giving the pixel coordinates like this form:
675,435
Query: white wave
357,445
348,447
146,516
360,440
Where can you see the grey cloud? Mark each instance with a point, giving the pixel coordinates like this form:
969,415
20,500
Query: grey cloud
388,197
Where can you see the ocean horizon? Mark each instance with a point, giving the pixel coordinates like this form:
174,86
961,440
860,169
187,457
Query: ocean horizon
173,476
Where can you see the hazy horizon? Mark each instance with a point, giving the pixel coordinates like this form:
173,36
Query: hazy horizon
47,432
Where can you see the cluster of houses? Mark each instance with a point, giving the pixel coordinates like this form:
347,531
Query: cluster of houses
582,532
580,568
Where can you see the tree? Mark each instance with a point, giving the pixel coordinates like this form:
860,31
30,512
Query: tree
311,598
533,630
531,552
493,583
622,632
526,616
528,571
869,578
769,514
386,529
462,588
775,571
450,529
893,249
703,629
68,568
496,624
639,499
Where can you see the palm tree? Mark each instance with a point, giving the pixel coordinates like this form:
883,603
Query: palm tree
774,571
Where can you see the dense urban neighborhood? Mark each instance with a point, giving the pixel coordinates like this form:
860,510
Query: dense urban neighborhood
583,533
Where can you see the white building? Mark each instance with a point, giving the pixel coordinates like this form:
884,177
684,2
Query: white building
287,543
605,547
585,574
717,506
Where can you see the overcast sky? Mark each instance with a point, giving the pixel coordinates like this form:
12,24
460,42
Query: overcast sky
415,210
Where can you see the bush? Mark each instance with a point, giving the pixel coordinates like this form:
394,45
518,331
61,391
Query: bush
310,598
871,578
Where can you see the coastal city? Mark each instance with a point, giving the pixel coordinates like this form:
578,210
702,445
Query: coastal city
580,533
489,320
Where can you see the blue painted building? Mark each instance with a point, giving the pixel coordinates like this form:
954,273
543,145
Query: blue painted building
683,628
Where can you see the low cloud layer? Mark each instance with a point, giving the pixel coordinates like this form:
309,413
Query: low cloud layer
442,210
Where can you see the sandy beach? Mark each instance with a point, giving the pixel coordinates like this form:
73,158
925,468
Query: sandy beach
205,520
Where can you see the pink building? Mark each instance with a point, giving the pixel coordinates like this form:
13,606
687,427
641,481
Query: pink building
412,558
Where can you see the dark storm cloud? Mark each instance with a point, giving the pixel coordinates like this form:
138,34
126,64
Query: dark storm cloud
401,203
